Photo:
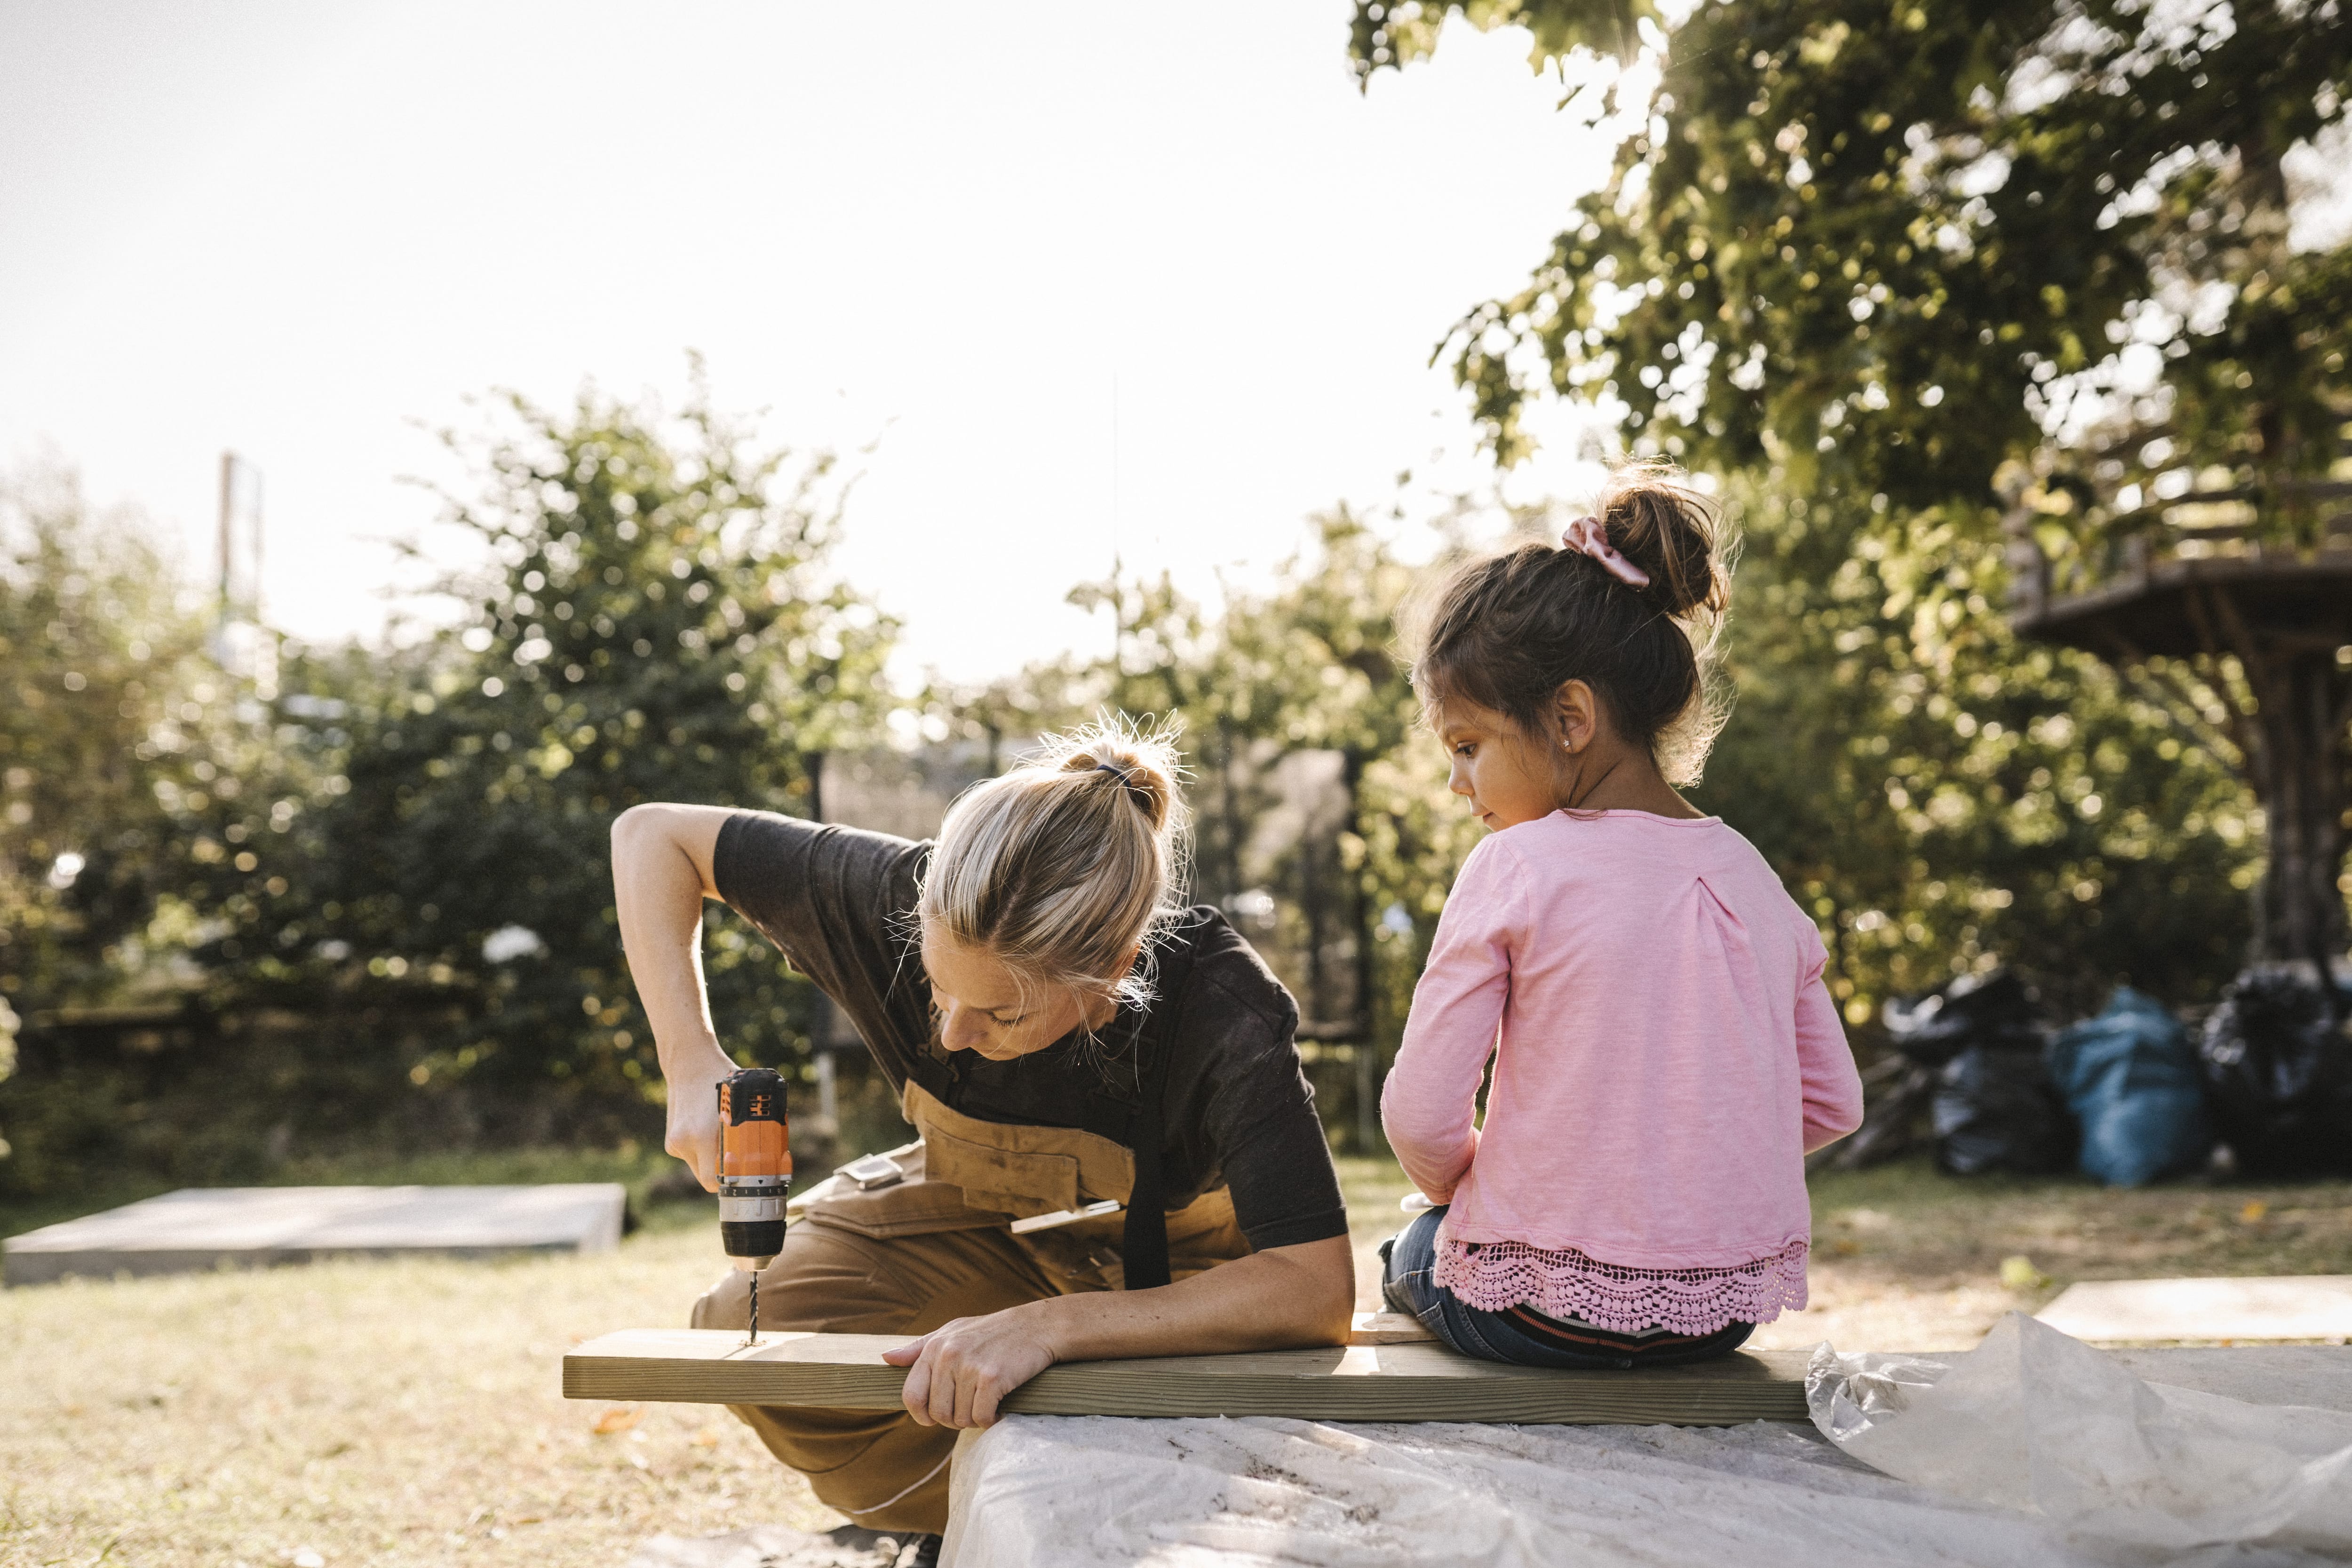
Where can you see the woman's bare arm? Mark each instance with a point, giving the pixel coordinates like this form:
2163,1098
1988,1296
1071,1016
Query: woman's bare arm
1275,1299
661,874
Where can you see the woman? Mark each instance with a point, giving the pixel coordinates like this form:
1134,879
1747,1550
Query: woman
1059,1034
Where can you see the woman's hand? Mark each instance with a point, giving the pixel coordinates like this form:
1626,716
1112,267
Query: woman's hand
694,1130
958,1375
961,1372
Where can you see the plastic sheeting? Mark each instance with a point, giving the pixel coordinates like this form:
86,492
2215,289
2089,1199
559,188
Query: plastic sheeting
1085,1490
2032,1449
2036,1422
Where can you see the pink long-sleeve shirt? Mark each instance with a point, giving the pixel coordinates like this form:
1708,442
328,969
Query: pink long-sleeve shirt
1665,1055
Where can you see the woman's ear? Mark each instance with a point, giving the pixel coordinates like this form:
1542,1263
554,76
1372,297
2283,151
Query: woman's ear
1576,713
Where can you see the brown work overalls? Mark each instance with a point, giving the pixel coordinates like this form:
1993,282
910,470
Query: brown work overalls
905,1260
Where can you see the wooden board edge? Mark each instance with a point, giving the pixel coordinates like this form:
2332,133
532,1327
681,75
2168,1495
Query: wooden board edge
810,1386
1528,1409
1108,1388
1103,1389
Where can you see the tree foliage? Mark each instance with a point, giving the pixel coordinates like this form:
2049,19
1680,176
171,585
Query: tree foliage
1309,663
1941,796
656,622
380,881
1890,271
110,713
1892,250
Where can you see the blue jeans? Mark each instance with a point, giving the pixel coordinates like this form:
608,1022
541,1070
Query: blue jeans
1409,1284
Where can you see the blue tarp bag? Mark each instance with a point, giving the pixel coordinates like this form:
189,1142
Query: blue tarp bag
2131,1078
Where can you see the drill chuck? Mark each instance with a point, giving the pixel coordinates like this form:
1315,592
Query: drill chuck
751,1218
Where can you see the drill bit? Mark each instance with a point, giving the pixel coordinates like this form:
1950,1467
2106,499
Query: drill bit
754,1338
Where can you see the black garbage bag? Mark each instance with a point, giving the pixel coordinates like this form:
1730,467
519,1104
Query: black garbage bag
2278,1073
1996,1109
1993,1010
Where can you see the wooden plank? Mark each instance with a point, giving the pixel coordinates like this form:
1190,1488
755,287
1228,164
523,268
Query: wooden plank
204,1228
1388,1329
1422,1382
2285,1307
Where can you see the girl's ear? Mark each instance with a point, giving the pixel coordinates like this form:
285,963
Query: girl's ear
1576,712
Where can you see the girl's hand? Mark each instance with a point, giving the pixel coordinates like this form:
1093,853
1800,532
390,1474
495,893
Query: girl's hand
962,1370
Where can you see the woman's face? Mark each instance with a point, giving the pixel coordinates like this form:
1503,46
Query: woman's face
983,1006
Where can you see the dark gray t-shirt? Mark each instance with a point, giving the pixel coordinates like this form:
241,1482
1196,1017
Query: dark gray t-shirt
840,903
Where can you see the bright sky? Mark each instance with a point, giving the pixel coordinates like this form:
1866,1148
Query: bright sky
310,232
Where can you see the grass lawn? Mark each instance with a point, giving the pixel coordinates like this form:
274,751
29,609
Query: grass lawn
407,1412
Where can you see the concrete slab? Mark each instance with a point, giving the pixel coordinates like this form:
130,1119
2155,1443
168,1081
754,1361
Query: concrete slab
2119,1312
204,1227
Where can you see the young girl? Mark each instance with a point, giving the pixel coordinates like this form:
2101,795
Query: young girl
1664,1051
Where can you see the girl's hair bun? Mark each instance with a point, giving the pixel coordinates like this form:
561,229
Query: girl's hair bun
1139,759
1669,531
1506,631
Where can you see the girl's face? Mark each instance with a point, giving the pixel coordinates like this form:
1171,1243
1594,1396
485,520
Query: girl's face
1508,777
982,1005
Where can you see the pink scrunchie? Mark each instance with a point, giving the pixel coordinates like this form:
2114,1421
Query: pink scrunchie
1590,536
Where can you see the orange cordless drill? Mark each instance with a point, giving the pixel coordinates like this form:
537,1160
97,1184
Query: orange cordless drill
755,1167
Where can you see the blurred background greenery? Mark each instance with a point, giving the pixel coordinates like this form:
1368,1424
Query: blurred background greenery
1901,285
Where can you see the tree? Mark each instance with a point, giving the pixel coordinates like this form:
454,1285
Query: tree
1905,272
1941,795
108,717
377,887
656,622
1310,663
2069,221
122,744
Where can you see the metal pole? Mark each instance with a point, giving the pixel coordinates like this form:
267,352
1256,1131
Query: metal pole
227,509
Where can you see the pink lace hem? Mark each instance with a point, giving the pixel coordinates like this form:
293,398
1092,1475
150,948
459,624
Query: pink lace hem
1495,1275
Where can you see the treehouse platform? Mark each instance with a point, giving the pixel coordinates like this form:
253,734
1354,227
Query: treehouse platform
2190,587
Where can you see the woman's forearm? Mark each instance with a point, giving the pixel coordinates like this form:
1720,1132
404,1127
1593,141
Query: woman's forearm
660,876
661,873
1275,1299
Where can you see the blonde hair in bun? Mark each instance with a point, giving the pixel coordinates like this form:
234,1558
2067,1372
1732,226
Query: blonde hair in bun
1063,868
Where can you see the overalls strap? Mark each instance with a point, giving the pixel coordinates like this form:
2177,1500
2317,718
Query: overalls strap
1143,1248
